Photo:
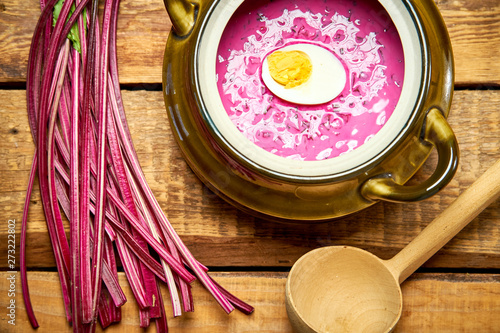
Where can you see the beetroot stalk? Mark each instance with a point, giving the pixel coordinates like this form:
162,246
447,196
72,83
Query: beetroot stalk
239,304
60,233
104,310
161,322
174,264
171,281
109,278
110,259
89,46
24,226
131,274
33,76
74,216
101,163
126,259
127,237
42,148
165,224
148,279
87,166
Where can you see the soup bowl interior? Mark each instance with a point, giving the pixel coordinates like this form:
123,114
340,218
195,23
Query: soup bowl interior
393,130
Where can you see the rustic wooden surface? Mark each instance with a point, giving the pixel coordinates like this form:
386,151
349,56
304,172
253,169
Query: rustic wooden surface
432,303
457,290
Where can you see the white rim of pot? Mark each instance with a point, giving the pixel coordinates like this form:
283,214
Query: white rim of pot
396,126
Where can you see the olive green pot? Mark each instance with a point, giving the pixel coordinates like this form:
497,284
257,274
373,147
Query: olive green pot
316,191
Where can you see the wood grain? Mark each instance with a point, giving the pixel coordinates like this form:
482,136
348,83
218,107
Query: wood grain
222,237
144,26
473,27
432,303
216,232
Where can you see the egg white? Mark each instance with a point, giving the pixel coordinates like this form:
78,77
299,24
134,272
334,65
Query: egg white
328,77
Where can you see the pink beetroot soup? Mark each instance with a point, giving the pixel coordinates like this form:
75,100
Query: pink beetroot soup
362,36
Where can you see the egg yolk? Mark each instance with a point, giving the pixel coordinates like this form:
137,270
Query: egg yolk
289,68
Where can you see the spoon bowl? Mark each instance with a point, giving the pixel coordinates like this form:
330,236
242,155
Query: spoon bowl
346,289
342,289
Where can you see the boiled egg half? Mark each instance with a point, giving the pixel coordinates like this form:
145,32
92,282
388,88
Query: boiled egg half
304,74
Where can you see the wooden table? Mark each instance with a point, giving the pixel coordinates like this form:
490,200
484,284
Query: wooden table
458,290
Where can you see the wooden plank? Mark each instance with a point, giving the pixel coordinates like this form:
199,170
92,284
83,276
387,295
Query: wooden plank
473,27
450,303
432,303
216,232
144,26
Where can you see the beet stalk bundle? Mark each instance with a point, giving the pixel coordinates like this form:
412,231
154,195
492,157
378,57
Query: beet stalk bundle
88,171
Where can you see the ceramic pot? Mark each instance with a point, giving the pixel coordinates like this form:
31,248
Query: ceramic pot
277,188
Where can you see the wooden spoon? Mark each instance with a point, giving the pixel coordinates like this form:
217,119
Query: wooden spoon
345,289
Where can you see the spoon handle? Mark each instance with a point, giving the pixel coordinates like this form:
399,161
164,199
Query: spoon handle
464,209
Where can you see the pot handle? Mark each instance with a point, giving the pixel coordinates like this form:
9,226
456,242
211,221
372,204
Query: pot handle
438,133
182,14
